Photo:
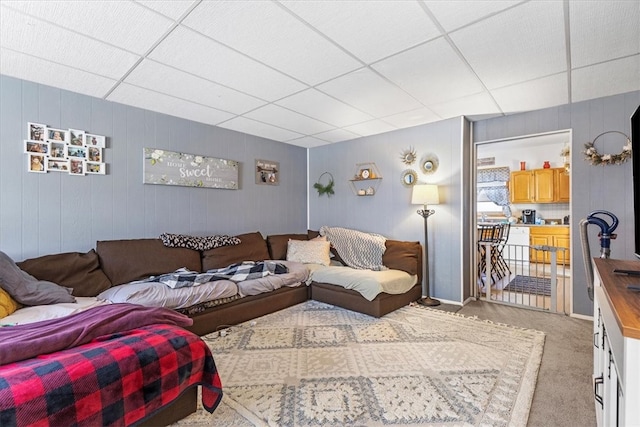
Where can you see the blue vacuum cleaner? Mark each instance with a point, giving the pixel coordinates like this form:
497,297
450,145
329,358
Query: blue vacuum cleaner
607,227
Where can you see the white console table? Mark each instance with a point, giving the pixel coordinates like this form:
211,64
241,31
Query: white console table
616,344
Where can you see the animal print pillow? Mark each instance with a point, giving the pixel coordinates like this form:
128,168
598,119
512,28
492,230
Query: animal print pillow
197,243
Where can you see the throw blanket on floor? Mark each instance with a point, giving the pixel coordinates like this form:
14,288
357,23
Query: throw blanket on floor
118,379
357,249
247,270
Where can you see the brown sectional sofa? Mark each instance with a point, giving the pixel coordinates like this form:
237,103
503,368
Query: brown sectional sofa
116,262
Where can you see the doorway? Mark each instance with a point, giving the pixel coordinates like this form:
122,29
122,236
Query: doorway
523,186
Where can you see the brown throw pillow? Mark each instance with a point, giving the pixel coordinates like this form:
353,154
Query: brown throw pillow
252,247
405,256
28,290
76,270
277,244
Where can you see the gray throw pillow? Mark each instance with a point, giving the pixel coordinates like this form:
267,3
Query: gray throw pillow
28,290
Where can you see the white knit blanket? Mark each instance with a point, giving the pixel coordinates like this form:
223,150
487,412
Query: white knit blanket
356,248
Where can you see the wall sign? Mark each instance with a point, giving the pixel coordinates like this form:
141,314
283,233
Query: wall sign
188,170
267,172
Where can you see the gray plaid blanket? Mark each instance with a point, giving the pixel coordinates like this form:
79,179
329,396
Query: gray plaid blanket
238,272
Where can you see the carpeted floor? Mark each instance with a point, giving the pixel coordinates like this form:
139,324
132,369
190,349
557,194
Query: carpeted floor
315,364
530,285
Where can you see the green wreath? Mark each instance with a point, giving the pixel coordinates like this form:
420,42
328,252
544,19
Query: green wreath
325,189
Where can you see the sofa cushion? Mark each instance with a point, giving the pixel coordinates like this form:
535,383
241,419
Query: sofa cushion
277,244
309,252
28,290
335,256
252,247
404,256
76,270
7,304
126,260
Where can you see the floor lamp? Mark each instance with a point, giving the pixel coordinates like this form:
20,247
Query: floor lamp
424,194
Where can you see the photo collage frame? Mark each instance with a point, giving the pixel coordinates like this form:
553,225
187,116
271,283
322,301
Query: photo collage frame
71,151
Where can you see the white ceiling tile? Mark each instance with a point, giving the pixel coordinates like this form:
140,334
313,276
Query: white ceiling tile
186,50
470,106
124,24
252,127
337,135
432,72
609,78
452,14
160,78
370,93
48,73
520,44
603,30
153,101
372,127
33,37
324,108
369,30
412,118
287,119
266,32
170,9
307,142
535,94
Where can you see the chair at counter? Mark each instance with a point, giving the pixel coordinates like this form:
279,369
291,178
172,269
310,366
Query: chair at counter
496,235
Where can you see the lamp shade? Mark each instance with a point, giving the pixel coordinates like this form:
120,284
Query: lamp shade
425,194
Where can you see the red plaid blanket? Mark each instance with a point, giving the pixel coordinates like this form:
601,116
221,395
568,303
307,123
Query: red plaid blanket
114,380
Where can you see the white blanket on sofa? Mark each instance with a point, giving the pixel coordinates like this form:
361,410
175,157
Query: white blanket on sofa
356,248
367,282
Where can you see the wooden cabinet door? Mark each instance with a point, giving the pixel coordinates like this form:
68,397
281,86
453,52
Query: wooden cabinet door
563,242
543,185
520,187
538,255
562,186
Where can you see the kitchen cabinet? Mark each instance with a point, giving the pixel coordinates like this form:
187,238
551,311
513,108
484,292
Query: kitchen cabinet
616,344
546,235
539,186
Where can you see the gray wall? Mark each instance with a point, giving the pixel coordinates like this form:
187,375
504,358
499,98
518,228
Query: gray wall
49,213
592,187
390,212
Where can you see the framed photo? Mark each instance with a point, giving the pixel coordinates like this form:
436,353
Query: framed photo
57,135
76,137
73,151
57,165
94,140
36,147
95,168
57,150
36,131
37,163
267,172
76,167
94,154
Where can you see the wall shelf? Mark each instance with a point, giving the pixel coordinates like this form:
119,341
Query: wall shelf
366,179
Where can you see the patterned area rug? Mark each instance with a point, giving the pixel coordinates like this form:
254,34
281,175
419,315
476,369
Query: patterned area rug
530,285
319,365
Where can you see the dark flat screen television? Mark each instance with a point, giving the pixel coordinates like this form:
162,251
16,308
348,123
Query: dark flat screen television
635,157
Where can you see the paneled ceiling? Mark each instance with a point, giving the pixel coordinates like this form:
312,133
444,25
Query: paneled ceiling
311,73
